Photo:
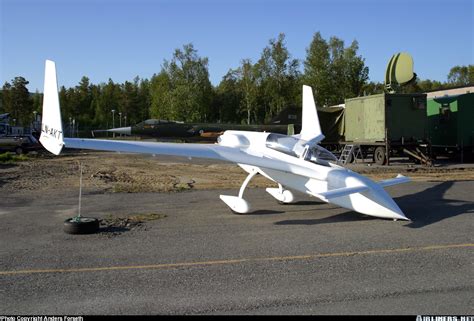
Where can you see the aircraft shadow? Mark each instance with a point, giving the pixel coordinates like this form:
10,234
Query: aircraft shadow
305,203
430,206
264,212
113,230
423,208
344,217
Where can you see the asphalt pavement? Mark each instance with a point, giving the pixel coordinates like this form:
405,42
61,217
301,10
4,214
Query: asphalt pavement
305,258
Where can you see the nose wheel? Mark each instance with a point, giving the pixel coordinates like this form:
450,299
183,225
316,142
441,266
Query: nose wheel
283,196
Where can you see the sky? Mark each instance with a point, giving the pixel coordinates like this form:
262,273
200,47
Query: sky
122,39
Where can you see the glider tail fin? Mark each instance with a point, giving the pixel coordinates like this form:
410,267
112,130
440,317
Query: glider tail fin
51,126
310,128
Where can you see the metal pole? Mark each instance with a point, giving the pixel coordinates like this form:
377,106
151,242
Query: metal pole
387,146
113,121
80,191
120,121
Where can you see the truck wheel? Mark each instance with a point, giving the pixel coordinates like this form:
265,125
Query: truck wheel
380,157
350,158
82,225
19,150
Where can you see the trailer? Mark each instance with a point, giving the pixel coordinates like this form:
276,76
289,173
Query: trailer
386,125
451,125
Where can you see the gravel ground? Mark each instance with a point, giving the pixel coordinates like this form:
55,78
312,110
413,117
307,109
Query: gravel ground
134,173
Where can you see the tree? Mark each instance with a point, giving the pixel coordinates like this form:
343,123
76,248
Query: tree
6,104
373,88
277,78
110,96
144,101
356,73
129,100
182,90
248,88
37,102
461,75
16,100
335,72
83,94
228,98
317,73
160,95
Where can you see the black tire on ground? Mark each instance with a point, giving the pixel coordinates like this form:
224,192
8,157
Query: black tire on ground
380,157
19,150
84,225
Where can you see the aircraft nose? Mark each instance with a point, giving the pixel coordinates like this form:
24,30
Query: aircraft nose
388,207
121,130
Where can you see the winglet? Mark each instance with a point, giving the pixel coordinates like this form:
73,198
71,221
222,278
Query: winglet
400,179
310,128
51,127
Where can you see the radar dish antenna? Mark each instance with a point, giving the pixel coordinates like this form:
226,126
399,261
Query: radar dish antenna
399,72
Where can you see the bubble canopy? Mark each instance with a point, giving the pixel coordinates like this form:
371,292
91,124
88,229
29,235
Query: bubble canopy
297,147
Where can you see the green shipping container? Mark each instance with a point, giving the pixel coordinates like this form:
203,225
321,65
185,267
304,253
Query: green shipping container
451,120
403,115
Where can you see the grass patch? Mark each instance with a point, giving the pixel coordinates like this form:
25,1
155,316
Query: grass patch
130,221
9,158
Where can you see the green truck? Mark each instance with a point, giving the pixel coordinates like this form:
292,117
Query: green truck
386,125
451,125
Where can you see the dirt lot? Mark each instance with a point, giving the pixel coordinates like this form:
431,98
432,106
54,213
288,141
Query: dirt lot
114,172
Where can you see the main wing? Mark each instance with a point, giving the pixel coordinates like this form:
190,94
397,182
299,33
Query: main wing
210,151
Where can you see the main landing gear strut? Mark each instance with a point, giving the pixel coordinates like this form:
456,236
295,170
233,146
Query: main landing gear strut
239,205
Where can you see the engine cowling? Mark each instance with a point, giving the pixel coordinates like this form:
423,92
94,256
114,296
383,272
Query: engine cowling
233,140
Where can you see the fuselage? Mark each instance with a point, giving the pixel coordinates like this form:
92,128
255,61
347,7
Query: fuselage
313,173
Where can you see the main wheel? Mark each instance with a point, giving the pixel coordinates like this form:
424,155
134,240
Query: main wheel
380,156
81,225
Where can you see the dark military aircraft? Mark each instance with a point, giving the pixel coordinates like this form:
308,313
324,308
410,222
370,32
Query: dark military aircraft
157,128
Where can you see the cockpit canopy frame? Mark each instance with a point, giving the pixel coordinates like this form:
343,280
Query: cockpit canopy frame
296,147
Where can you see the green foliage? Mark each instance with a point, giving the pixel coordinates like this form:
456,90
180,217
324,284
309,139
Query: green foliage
373,88
227,99
182,90
10,158
16,100
249,93
260,91
461,75
334,72
277,77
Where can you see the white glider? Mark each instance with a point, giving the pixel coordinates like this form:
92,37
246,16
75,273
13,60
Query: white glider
293,162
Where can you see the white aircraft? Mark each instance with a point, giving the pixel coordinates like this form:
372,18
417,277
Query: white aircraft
294,162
